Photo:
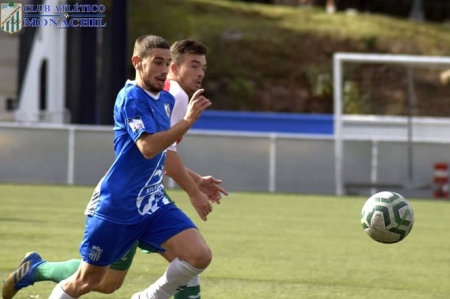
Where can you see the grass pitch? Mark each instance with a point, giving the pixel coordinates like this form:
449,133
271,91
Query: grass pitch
265,246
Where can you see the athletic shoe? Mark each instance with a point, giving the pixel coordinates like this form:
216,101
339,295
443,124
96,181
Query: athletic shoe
23,276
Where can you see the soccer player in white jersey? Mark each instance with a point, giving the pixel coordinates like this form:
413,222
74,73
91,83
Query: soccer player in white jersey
185,76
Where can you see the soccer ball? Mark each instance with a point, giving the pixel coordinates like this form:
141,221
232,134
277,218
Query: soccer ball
387,217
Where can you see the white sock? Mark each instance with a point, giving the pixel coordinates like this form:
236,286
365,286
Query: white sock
58,292
177,276
195,281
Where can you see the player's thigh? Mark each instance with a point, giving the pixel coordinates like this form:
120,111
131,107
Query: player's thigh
117,272
84,280
175,232
169,255
88,271
124,263
188,245
185,241
112,281
105,242
166,223
147,249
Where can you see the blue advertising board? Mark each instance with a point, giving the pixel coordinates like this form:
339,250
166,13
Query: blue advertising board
289,123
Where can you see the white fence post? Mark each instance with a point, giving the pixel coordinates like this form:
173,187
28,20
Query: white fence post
71,156
272,162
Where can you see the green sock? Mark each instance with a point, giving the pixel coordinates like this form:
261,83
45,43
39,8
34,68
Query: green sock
189,293
56,271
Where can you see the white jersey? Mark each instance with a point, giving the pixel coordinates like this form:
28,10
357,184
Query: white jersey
180,107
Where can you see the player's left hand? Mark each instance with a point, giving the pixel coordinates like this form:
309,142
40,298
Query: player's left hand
210,186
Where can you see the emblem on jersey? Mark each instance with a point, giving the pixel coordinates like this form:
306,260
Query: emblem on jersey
151,197
11,17
167,107
136,123
95,253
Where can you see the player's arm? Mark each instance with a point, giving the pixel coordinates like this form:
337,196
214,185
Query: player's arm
175,169
187,179
195,176
152,144
183,176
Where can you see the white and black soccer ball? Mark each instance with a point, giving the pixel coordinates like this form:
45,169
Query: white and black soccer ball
387,217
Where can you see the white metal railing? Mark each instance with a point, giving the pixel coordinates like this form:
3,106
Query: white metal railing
88,153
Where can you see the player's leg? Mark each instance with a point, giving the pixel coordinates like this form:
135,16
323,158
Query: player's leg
192,290
117,272
112,241
39,270
85,280
56,271
176,233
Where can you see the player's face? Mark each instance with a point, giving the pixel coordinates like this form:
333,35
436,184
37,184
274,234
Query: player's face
154,69
191,72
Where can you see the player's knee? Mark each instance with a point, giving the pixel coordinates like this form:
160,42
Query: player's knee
201,258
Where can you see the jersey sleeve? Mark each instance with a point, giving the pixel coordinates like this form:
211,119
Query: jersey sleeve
179,110
139,118
175,117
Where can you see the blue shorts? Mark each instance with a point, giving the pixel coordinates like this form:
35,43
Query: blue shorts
105,242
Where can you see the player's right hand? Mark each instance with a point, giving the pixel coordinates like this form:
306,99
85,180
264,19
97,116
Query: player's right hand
201,204
196,106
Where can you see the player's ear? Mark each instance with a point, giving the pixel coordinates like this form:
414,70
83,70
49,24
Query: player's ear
136,61
174,68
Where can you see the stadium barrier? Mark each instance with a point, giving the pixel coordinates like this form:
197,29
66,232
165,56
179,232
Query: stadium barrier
246,161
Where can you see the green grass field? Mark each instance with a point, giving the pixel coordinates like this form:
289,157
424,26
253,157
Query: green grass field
265,246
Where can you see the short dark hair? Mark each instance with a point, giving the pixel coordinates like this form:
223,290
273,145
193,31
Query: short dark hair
145,43
181,47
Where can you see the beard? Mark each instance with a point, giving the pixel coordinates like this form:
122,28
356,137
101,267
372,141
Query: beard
154,88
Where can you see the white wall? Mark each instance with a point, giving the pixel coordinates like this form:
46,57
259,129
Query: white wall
49,45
